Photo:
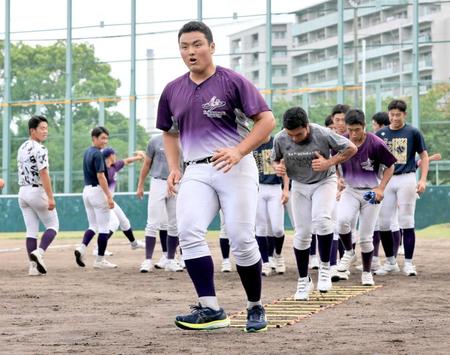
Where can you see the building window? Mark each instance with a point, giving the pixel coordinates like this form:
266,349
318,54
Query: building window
236,46
279,70
279,35
255,76
279,52
255,58
254,40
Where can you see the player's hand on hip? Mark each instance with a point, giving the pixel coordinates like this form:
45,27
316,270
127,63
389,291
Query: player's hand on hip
51,204
225,158
110,203
421,186
280,168
140,192
172,182
320,163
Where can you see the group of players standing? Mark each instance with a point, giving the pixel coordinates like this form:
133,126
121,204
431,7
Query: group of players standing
208,109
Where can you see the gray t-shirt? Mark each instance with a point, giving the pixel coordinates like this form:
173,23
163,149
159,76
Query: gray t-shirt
155,151
298,156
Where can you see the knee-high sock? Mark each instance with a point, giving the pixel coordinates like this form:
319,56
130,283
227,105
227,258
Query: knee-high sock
102,243
409,242
271,244
47,239
302,258
129,234
201,272
149,246
376,242
396,241
313,248
31,244
387,242
341,249
88,235
279,245
263,248
366,261
346,240
163,240
172,243
334,251
110,234
225,248
324,242
251,280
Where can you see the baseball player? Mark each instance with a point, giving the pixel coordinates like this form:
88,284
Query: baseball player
404,141
161,208
98,200
36,199
270,208
361,177
302,151
210,105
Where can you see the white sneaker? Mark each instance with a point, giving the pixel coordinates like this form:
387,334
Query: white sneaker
401,250
161,264
146,266
138,245
80,253
266,269
304,287
172,265
226,265
386,269
37,257
32,270
107,252
280,266
367,279
104,264
272,262
314,262
181,262
324,279
409,269
347,259
334,273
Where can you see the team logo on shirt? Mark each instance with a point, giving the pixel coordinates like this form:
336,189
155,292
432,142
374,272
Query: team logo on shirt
210,108
399,149
367,165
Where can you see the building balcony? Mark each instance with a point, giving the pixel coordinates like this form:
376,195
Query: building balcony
425,64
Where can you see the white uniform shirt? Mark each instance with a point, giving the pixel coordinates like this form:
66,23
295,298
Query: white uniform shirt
32,157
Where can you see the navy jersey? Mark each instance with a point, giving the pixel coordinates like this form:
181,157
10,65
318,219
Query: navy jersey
403,143
266,172
93,163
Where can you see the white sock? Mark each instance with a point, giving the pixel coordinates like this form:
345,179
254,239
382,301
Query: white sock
408,261
209,301
41,251
99,258
134,243
325,265
250,305
391,260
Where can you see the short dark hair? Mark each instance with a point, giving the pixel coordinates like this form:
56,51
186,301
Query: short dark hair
97,131
328,121
34,121
294,118
381,118
196,26
397,104
340,108
355,116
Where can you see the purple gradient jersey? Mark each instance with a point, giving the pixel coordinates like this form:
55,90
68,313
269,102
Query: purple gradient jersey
362,170
209,116
112,174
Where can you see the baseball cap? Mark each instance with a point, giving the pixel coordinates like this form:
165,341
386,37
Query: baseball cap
108,152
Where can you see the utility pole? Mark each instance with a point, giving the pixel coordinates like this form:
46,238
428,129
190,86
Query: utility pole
354,4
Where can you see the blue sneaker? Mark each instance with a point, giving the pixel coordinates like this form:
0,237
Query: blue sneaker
203,318
256,320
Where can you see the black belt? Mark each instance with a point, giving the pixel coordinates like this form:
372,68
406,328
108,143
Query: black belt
35,185
93,185
409,172
206,160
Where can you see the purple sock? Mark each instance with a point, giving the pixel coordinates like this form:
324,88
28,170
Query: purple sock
47,238
302,258
225,248
163,240
367,261
324,242
376,242
341,249
279,244
346,240
129,234
251,280
88,235
313,248
201,272
271,244
263,248
387,242
172,243
149,246
409,242
396,240
334,251
31,244
102,242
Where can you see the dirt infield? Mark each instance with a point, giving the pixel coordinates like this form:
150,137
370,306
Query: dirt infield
74,310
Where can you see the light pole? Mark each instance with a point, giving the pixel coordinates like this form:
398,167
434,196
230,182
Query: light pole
354,4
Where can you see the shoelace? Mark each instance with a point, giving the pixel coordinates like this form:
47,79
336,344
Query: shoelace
256,314
324,274
196,308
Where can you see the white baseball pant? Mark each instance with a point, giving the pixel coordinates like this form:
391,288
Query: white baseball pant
118,219
270,211
161,210
97,210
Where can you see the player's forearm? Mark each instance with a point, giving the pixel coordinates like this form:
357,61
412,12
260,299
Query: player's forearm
387,174
425,166
343,156
46,183
286,183
172,150
144,172
263,127
130,160
104,184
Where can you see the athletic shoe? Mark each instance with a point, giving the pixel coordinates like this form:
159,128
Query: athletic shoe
386,269
37,257
367,279
314,262
107,252
32,270
203,318
104,264
409,269
146,266
138,245
181,262
271,262
334,273
80,253
280,266
226,265
347,259
324,279
172,265
161,264
304,287
256,320
401,250
343,275
266,269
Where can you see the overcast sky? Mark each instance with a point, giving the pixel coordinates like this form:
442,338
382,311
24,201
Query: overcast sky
165,16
